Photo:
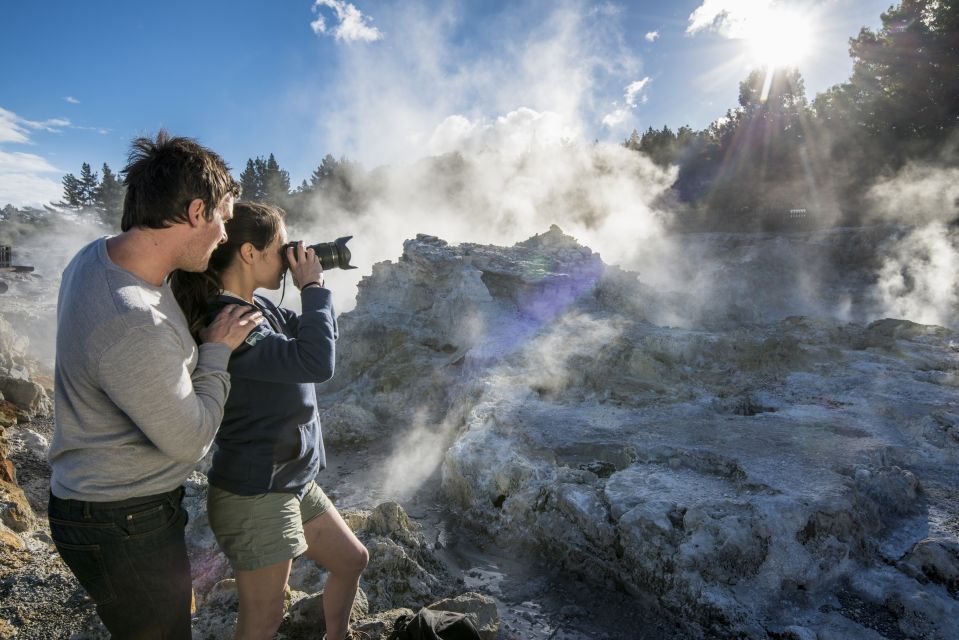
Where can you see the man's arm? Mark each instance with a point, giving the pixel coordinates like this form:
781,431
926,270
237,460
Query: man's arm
145,373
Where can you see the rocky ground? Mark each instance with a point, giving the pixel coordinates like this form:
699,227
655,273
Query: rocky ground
521,424
781,477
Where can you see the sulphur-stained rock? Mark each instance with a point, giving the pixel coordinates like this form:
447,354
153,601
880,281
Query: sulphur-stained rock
8,414
9,540
482,609
390,520
26,395
15,510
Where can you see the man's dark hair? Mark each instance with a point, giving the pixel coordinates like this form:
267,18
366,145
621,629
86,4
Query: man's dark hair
165,175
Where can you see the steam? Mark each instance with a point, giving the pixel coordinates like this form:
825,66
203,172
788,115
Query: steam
417,455
31,301
506,182
918,279
920,194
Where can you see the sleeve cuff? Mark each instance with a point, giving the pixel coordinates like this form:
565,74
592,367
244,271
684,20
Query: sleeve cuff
319,297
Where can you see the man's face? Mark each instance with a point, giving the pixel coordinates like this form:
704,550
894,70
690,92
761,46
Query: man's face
209,234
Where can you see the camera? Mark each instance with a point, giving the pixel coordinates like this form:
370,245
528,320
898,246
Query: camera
332,255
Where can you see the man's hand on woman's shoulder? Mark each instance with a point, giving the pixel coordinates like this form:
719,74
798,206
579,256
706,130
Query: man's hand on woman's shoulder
232,325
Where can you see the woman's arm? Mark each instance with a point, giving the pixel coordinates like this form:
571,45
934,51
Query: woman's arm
308,356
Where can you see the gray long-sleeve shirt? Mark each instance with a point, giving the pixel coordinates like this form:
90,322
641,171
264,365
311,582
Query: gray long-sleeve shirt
137,403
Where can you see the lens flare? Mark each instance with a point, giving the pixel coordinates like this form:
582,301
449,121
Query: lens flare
778,38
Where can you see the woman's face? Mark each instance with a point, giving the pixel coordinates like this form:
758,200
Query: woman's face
269,266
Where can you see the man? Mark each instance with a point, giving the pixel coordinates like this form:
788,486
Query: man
137,401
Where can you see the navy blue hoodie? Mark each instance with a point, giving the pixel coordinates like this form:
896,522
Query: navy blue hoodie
270,439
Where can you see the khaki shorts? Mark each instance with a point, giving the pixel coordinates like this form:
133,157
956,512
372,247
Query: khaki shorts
257,531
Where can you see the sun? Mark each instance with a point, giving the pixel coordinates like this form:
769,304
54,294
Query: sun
778,38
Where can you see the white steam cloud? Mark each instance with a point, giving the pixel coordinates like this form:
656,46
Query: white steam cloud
508,133
919,194
918,276
652,36
503,182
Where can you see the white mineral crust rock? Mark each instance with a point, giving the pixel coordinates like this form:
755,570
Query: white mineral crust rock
792,476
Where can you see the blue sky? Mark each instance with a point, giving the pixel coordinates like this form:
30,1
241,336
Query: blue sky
380,82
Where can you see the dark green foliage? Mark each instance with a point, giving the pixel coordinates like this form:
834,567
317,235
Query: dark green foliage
251,181
89,182
88,194
72,192
108,198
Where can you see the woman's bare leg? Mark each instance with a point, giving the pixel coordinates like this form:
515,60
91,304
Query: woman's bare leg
333,546
261,594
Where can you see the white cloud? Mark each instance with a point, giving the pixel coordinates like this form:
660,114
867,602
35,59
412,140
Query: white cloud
12,128
24,177
728,18
24,162
71,100
353,24
616,117
634,88
24,180
652,36
16,129
632,97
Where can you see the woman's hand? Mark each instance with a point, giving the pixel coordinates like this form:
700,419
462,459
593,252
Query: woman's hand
304,265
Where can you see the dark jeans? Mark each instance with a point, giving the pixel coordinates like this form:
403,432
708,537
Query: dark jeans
131,558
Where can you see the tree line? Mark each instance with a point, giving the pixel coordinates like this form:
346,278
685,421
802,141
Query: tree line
262,180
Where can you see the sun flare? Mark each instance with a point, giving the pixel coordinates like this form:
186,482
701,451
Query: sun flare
778,38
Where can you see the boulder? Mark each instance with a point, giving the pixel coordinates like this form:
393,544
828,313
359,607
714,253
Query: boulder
9,414
27,396
482,609
345,423
15,510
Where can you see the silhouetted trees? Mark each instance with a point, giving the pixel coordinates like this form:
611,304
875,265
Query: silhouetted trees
775,151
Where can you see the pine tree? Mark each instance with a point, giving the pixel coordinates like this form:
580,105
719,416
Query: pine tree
89,182
72,192
324,173
276,183
251,181
109,198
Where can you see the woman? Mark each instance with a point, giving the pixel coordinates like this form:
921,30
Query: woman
264,506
